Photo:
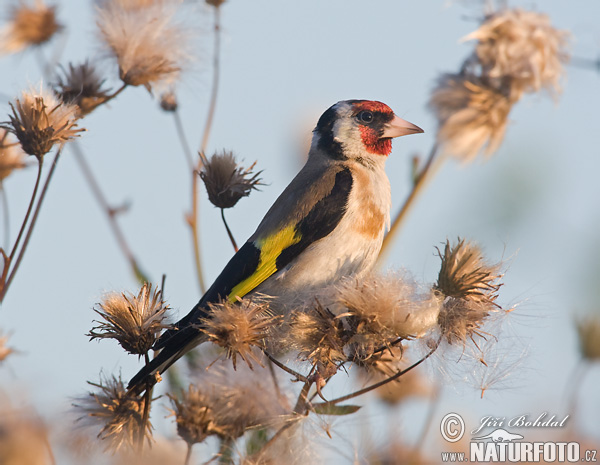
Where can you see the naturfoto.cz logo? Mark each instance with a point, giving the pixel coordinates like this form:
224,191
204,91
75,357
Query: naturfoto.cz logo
501,445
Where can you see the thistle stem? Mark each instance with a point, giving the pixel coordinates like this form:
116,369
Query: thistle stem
108,210
297,375
385,381
5,214
418,185
193,222
6,279
183,140
229,233
188,454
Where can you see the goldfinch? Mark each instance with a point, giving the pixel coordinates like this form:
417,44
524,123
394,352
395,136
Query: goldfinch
327,224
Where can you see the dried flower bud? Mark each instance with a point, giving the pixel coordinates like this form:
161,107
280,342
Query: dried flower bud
30,25
133,321
168,102
39,121
588,330
81,86
470,287
225,181
115,411
194,415
471,115
150,48
11,156
238,327
317,335
523,46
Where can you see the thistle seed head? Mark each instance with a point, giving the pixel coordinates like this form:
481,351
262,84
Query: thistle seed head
226,182
134,321
194,415
115,411
40,121
238,327
30,25
522,46
80,85
472,115
588,330
149,46
469,287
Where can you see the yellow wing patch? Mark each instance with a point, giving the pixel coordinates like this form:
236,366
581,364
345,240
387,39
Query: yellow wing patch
270,249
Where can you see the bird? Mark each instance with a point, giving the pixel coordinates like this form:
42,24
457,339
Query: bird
327,224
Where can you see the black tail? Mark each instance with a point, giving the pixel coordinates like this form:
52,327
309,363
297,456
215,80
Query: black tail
177,345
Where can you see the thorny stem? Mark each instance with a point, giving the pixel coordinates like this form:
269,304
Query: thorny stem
146,413
385,381
111,213
4,282
417,187
229,233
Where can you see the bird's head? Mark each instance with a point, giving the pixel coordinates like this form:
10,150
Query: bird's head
353,129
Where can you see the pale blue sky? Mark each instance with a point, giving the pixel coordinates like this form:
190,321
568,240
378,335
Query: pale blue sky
535,203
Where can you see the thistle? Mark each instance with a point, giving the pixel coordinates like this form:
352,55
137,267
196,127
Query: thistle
226,182
40,121
29,26
134,321
80,85
115,411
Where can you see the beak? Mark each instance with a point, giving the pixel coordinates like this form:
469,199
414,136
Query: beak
399,127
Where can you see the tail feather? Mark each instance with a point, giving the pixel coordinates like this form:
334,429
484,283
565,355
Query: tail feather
181,342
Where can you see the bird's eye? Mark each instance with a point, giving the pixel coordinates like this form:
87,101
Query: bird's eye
365,116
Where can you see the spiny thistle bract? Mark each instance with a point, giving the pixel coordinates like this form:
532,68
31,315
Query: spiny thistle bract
134,321
40,121
226,182
80,85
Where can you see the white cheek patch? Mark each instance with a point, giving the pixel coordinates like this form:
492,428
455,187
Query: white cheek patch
346,133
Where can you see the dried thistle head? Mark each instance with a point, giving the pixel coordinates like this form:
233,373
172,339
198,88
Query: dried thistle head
168,101
149,46
23,437
523,46
11,156
115,411
317,335
134,321
238,327
472,114
30,25
226,182
588,331
80,85
40,121
194,415
470,289
380,309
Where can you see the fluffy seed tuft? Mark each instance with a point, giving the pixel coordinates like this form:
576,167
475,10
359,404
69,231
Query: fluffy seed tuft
237,327
118,413
30,25
149,46
226,182
134,321
471,115
523,46
469,287
40,121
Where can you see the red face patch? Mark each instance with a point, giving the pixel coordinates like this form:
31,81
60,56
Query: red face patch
373,105
373,143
